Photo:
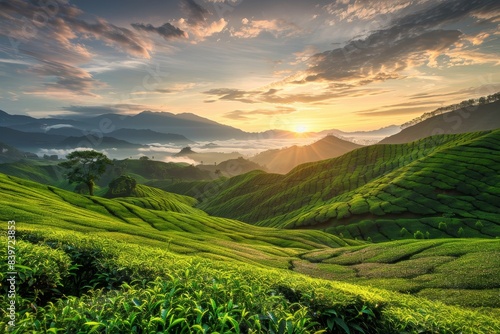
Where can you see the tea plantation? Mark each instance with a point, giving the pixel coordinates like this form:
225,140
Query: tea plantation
438,187
152,263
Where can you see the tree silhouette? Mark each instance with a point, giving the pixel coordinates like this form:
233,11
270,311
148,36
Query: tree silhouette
85,167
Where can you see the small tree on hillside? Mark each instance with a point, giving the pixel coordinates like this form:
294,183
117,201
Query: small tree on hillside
122,186
418,235
479,225
85,167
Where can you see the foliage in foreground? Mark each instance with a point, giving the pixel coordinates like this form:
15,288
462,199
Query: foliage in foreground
139,289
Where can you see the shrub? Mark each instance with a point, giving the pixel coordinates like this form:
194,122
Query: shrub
443,226
121,186
479,225
418,235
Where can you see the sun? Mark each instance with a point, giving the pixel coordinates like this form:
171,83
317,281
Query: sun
300,128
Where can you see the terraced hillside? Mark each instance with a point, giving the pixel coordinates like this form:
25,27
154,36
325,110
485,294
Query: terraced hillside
155,218
456,271
441,186
153,262
48,172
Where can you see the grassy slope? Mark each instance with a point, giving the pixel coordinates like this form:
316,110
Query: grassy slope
48,172
374,191
141,243
157,218
456,271
205,294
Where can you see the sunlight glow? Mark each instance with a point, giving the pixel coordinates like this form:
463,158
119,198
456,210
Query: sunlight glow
300,128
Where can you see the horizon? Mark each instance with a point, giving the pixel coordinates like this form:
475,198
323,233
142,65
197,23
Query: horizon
256,66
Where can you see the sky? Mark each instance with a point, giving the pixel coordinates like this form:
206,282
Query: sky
253,64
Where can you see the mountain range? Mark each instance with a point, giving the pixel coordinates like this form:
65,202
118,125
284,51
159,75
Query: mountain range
115,131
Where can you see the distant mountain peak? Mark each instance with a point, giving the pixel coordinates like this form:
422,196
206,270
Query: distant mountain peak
185,151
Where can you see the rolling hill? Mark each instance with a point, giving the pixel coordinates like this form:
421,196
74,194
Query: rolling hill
284,160
11,154
153,261
39,140
154,218
144,171
231,167
149,136
475,118
441,186
29,140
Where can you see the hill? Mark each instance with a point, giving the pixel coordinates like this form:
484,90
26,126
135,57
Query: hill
148,137
363,137
107,265
10,154
442,186
39,140
144,171
153,219
28,140
93,141
189,125
468,119
284,160
231,167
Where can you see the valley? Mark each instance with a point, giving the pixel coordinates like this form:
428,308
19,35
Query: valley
385,226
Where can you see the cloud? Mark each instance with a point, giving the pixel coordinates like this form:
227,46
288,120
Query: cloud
53,35
63,152
277,96
57,126
180,160
244,114
413,40
167,31
392,111
159,148
122,108
349,11
70,81
253,28
25,21
230,94
195,13
197,23
379,57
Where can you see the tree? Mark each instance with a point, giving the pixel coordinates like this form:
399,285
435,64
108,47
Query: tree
85,167
418,235
122,186
479,225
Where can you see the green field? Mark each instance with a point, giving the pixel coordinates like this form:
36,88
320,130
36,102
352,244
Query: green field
153,262
443,186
